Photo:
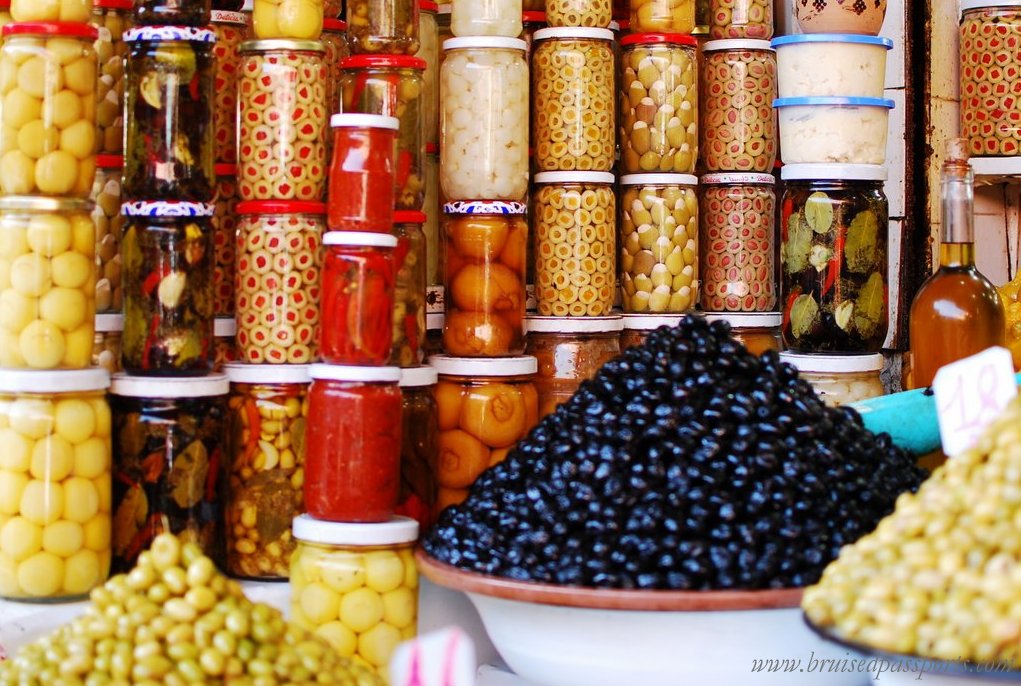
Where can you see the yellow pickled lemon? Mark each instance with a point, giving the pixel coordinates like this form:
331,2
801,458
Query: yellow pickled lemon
81,500
13,240
343,640
16,455
12,487
71,270
342,576
82,572
80,76
399,607
36,10
65,307
78,344
30,274
361,609
97,533
102,410
91,457
83,234
64,108
300,19
42,502
35,139
8,576
104,487
42,344
20,538
384,571
79,139
17,173
20,108
40,76
17,310
56,173
319,603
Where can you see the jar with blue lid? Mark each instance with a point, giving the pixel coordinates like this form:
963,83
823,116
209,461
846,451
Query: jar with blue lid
167,253
833,129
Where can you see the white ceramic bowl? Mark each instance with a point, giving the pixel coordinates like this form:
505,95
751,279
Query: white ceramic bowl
831,65
833,130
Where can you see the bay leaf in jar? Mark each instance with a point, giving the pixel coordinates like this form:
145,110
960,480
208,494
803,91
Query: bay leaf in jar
860,248
804,315
798,244
188,476
868,311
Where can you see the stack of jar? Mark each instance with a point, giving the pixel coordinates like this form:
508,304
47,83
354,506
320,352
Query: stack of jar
833,130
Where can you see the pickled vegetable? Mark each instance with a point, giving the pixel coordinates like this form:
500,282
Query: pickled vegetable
418,445
106,215
230,28
383,26
225,223
175,12
409,290
112,18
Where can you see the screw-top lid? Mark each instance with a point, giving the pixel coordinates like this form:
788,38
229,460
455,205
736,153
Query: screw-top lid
574,32
485,42
336,372
167,208
485,207
860,39
533,17
736,44
650,322
658,180
224,17
281,45
409,217
837,101
280,207
239,372
109,161
833,172
169,387
834,364
747,320
659,38
737,178
166,33
55,381
609,324
574,177
225,327
360,239
52,28
370,61
398,530
414,377
112,322
484,366
364,121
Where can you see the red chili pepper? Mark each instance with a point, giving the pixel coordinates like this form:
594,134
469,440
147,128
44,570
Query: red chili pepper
212,475
833,266
411,330
193,87
118,475
416,509
785,217
152,281
790,305
403,170
143,537
150,340
152,467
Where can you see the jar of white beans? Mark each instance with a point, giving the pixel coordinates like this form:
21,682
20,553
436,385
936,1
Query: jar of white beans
279,255
840,379
572,110
738,120
485,18
484,154
575,226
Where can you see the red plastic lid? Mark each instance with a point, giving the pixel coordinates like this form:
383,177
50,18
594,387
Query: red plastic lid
52,28
334,25
280,207
226,169
409,217
533,17
400,61
5,4
109,4
428,6
109,161
432,148
643,38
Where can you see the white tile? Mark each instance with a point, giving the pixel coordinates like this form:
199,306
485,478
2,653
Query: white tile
944,67
893,262
989,199
894,29
896,154
991,246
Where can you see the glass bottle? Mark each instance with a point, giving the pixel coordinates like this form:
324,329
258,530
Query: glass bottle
957,311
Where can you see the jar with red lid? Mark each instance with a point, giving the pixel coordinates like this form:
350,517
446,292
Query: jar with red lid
358,298
277,283
171,12
282,120
231,29
532,21
111,18
382,26
418,445
106,215
5,15
358,408
391,85
361,194
409,290
225,224
334,39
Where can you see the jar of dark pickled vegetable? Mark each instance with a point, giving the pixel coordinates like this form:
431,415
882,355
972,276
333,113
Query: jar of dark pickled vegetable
409,290
169,152
834,258
419,450
382,26
169,463
167,254
173,12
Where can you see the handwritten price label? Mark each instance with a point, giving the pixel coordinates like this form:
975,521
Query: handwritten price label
970,394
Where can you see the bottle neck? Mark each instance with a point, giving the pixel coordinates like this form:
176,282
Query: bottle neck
957,244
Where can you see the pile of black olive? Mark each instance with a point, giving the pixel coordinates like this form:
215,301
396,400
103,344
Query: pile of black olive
686,463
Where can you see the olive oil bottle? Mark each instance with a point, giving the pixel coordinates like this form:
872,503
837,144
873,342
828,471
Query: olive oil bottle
957,311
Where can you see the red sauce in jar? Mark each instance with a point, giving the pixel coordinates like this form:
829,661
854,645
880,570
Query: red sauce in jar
361,192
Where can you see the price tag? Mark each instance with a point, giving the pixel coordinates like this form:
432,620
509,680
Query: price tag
440,658
970,394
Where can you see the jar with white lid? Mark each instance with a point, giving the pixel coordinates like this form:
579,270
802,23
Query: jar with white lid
575,224
484,153
485,407
106,344
485,18
356,586
756,331
225,346
840,379
637,327
990,117
831,65
54,484
419,453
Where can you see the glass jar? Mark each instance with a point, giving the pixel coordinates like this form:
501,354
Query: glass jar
990,118
293,19
433,212
49,110
169,444
741,19
109,224
573,117
267,412
361,195
484,152
569,350
231,29
282,120
358,298
756,331
392,86
5,16
358,408
433,334
658,104
167,249
532,21
279,256
485,18
382,26
334,39
485,407
225,224
418,445
54,484
575,225
738,249
429,50
106,344
172,12
840,379
409,290
368,572
484,252
637,327
572,13
662,16
738,120
111,18
834,258
48,292
533,6
169,96
225,348
76,11
659,255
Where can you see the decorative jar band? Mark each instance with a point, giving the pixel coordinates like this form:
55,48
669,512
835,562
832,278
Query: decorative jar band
169,33
167,208
485,207
222,17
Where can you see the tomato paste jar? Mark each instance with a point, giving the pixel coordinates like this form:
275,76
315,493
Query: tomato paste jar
361,195
353,443
358,298
418,445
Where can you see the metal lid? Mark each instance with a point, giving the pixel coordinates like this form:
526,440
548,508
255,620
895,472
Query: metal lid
414,377
169,387
485,207
167,208
659,38
112,322
747,320
608,324
336,372
533,17
39,203
736,44
737,177
968,5
364,121
280,207
360,239
650,322
51,28
878,41
225,327
574,177
834,364
282,44
427,6
109,161
485,42
395,61
239,372
397,531
658,180
409,217
833,172
98,4
54,381
573,32
484,366
833,101
168,33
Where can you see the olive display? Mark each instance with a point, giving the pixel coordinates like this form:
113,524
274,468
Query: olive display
175,620
685,463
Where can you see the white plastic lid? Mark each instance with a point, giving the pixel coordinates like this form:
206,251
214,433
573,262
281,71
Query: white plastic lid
106,323
419,376
397,531
833,172
609,324
239,372
55,381
434,321
737,177
360,239
573,32
574,177
834,364
747,320
967,5
485,42
484,366
736,44
225,327
367,121
169,387
650,322
337,372
658,180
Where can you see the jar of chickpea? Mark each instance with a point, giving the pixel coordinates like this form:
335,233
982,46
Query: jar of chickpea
111,18
106,345
267,411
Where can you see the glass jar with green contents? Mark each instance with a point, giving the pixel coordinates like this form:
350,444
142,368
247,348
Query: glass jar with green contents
167,253
834,258
111,18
